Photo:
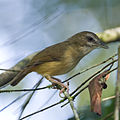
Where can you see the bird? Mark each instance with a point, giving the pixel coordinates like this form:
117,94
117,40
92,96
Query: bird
61,58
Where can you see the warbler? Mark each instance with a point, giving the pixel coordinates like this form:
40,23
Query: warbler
61,58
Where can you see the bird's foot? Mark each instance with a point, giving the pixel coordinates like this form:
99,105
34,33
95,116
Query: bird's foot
57,83
64,88
60,85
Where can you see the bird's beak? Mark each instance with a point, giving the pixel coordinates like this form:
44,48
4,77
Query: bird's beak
103,45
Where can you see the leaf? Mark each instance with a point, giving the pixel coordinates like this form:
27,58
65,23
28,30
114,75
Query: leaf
95,90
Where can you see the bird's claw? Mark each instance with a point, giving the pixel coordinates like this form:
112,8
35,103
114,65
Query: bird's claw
65,87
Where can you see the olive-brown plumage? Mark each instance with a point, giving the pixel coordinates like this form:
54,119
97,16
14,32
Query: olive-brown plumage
62,57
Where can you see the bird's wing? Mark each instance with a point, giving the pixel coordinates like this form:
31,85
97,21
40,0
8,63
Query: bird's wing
52,53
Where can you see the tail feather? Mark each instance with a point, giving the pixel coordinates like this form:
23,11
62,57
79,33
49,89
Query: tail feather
19,77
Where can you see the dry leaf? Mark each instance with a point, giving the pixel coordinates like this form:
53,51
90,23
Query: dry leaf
95,90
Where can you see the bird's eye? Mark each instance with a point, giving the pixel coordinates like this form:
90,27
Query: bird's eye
90,39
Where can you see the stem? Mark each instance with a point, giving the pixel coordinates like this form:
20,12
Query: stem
42,109
91,68
117,92
10,70
72,105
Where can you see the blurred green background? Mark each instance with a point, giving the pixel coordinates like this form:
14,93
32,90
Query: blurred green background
27,26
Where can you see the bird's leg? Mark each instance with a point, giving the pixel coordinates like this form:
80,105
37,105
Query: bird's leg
57,81
55,86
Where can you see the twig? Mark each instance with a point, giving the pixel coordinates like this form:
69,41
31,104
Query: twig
117,92
24,90
43,109
10,70
109,98
76,95
61,100
13,101
112,70
91,67
49,86
92,76
16,99
28,99
82,89
70,99
108,116
49,99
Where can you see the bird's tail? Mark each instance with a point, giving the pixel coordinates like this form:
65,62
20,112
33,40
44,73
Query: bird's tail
19,77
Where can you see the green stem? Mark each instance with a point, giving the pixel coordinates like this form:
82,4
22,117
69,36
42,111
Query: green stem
72,105
117,92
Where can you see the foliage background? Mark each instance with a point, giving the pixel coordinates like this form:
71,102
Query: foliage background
27,26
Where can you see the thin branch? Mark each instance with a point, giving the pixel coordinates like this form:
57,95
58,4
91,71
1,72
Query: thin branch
92,76
117,92
46,108
63,99
80,91
13,101
43,109
91,67
38,89
112,70
108,116
28,99
83,89
24,90
49,86
10,70
49,99
7,76
18,98
70,99
76,95
109,98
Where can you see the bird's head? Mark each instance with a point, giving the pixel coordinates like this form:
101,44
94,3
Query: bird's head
91,40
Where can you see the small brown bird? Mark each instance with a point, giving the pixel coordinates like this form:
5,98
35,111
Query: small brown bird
61,58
